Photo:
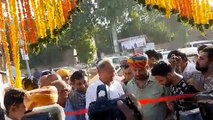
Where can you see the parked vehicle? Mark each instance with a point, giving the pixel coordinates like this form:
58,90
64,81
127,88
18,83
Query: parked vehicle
191,53
198,43
165,54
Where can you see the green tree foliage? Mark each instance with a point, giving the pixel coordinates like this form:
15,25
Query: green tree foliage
109,12
81,33
112,14
146,22
103,40
86,50
131,20
48,56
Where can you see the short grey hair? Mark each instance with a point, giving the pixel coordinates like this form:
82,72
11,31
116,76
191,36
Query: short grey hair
102,64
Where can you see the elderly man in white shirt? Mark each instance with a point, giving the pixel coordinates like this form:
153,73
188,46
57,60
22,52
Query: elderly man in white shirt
106,73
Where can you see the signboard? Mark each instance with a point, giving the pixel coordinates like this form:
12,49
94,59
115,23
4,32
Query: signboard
24,55
133,42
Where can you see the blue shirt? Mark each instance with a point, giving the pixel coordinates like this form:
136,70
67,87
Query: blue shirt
69,108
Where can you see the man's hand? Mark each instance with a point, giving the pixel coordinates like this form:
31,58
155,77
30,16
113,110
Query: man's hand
175,60
129,113
196,84
170,106
126,110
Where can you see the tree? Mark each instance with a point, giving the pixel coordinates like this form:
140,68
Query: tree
112,14
103,41
80,36
146,22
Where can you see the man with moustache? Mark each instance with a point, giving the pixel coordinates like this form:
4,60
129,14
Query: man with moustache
144,86
205,65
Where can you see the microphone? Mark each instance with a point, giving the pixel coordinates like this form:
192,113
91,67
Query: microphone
50,112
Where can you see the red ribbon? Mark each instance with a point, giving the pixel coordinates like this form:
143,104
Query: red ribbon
80,112
165,99
143,102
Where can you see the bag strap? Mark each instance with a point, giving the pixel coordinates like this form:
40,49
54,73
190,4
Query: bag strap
101,88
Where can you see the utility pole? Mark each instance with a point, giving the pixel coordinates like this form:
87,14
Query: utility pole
115,39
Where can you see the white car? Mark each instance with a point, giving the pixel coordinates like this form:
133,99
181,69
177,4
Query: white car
191,53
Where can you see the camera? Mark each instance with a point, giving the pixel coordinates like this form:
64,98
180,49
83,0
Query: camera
106,109
50,112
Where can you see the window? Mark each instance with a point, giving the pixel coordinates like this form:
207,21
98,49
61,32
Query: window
115,60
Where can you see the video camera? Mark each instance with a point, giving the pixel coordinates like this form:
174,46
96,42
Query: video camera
106,109
205,102
50,112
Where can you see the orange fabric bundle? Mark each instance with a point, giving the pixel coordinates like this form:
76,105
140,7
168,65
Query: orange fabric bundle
46,95
138,61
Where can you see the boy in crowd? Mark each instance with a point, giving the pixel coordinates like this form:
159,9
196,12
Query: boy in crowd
166,75
127,72
13,102
77,98
153,57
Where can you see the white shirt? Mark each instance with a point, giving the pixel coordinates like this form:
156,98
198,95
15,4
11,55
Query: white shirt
190,72
115,90
208,82
7,118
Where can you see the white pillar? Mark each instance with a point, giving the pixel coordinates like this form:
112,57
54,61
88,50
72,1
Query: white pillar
115,38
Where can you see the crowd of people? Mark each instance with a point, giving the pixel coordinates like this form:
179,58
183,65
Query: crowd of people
144,76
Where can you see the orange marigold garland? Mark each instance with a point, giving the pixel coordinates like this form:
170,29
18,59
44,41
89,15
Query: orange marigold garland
50,17
29,20
42,22
31,23
197,13
23,34
65,8
15,42
5,45
73,4
37,19
60,14
24,27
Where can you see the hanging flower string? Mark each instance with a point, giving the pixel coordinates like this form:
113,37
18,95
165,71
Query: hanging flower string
15,37
30,21
31,30
5,45
50,17
197,13
24,25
